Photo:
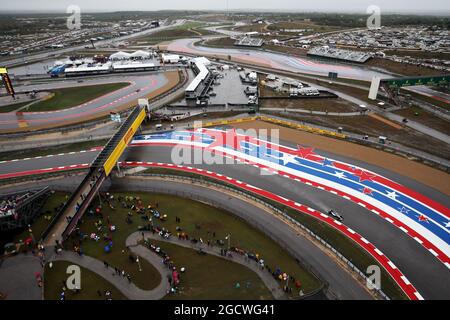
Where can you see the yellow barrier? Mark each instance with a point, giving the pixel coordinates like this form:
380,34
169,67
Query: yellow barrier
275,121
303,127
226,122
117,152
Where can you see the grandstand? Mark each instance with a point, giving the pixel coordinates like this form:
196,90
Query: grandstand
203,80
340,54
20,210
89,69
128,67
249,42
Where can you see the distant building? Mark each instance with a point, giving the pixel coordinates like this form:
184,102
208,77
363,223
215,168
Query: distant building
340,54
170,58
203,80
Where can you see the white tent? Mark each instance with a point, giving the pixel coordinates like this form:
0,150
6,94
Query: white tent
119,56
140,55
202,60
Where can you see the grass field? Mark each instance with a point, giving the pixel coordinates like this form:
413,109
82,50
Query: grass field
208,277
310,28
118,257
198,220
71,97
195,214
146,279
225,42
13,107
90,284
190,29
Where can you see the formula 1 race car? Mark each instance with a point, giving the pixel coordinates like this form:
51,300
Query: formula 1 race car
335,215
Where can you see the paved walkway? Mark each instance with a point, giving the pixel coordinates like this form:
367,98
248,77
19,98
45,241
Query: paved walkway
132,292
265,276
18,277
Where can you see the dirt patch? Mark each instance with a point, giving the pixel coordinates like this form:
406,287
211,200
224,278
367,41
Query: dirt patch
417,171
427,118
401,68
386,121
324,105
365,125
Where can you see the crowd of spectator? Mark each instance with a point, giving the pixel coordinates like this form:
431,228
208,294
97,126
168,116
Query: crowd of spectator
9,204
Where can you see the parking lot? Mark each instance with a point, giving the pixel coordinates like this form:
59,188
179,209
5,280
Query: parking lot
227,90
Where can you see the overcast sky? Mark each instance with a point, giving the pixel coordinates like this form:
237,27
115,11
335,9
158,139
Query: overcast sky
417,6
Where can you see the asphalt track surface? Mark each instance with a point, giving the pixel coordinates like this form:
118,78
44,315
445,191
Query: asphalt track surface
109,102
426,273
278,61
297,64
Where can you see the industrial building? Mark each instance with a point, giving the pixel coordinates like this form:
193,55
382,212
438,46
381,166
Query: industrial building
288,85
109,67
117,62
88,69
133,67
203,80
170,58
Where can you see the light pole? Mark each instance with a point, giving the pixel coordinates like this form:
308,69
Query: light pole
228,237
139,263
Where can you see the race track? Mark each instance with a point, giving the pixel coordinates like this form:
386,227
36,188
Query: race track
277,61
89,110
414,245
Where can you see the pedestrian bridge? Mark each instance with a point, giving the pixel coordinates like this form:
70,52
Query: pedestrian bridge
67,218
